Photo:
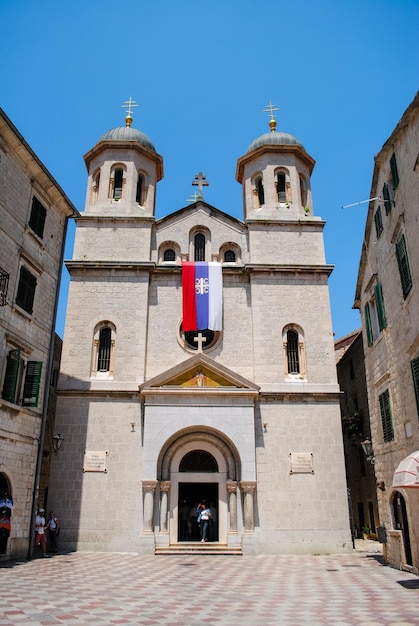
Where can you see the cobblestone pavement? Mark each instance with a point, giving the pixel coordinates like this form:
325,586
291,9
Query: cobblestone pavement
99,589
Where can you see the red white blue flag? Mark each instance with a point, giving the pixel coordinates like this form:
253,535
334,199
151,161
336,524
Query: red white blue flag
202,293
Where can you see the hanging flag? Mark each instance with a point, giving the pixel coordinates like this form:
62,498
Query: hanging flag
202,292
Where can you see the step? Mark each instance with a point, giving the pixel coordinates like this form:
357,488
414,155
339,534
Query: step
199,548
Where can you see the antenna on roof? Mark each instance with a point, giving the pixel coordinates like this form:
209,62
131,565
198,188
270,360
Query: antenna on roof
361,202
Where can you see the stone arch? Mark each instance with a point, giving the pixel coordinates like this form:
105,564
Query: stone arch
209,439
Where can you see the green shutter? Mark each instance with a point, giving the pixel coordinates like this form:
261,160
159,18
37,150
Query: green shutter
37,217
370,338
11,376
394,171
32,383
387,200
378,222
26,290
415,374
404,267
381,313
386,417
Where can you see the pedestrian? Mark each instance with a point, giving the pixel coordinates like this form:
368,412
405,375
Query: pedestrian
203,519
53,531
40,538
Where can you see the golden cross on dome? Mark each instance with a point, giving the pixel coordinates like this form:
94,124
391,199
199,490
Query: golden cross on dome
129,105
270,109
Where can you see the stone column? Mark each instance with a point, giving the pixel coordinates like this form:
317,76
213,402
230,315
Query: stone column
232,505
248,488
164,499
149,488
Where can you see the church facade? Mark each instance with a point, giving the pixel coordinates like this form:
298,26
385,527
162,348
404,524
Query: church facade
157,418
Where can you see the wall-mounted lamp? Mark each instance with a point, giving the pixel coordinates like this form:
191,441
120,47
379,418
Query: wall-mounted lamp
367,448
265,427
381,485
57,442
133,427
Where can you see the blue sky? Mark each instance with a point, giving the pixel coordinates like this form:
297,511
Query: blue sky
342,73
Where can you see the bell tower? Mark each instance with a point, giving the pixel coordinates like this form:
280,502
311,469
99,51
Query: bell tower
275,174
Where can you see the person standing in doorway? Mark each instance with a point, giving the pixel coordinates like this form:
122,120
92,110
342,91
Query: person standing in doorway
53,531
203,520
40,538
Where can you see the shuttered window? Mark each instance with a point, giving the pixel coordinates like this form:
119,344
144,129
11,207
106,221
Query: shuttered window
404,267
32,383
9,391
381,313
26,290
378,222
368,325
386,417
37,217
387,199
13,380
394,171
415,374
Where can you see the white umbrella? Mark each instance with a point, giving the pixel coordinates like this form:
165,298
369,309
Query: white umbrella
407,472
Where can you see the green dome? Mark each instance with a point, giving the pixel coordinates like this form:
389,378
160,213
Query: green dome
274,138
127,133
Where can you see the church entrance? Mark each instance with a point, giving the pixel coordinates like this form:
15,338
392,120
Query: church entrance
190,496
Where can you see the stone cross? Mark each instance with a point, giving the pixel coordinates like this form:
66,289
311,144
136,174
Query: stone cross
270,109
200,181
200,340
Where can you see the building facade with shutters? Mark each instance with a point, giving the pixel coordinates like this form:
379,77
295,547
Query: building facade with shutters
387,295
34,212
157,418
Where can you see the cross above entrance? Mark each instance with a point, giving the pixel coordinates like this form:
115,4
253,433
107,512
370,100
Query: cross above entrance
200,340
200,181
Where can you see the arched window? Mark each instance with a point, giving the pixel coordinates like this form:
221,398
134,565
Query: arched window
280,187
117,186
229,256
293,358
303,191
199,247
140,187
104,350
95,186
198,461
169,255
294,352
260,191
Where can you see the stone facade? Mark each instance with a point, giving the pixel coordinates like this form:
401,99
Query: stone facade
388,298
34,212
360,474
143,426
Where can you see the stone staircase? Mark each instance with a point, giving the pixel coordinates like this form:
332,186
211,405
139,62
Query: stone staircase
197,547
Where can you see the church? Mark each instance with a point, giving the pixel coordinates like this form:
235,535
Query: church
160,412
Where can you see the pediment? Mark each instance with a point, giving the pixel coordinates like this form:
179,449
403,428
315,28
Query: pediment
200,208
199,373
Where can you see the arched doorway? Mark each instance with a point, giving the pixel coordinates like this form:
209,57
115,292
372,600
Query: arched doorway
193,495
6,507
198,465
401,523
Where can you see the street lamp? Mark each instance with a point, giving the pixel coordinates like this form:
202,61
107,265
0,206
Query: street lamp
57,442
367,448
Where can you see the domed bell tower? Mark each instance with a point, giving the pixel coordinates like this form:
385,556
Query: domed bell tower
275,174
123,170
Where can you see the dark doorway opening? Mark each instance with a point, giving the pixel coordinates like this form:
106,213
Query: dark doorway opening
401,523
190,495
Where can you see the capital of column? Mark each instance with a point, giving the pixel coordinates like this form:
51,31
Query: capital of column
165,485
231,486
248,486
149,485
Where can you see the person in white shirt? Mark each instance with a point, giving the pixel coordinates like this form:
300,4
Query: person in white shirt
40,538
